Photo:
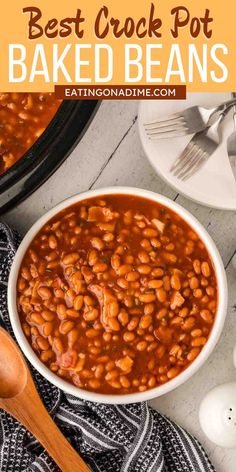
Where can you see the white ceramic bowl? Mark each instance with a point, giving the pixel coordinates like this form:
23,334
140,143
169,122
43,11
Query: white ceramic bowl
133,397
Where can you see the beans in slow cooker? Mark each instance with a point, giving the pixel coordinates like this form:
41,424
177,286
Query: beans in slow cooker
23,118
117,294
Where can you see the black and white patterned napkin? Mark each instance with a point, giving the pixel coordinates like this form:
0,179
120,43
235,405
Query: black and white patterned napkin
110,438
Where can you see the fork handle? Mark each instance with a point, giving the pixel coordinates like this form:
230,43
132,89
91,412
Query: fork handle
234,116
225,105
221,111
216,127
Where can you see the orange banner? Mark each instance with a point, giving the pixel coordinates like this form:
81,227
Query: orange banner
156,43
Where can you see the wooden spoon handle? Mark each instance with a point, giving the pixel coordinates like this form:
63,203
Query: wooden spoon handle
29,410
20,398
57,445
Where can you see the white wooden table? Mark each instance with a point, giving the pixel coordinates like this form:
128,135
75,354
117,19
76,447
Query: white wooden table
110,153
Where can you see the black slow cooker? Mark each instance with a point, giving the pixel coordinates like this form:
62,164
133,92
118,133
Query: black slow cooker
47,153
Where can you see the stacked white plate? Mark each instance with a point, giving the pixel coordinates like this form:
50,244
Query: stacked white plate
214,185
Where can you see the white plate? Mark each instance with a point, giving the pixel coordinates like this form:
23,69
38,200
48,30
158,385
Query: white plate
214,184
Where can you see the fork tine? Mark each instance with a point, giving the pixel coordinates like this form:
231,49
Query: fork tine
201,160
165,118
184,156
192,165
189,162
166,129
178,121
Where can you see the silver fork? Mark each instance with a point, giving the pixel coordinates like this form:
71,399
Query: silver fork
199,149
231,143
189,121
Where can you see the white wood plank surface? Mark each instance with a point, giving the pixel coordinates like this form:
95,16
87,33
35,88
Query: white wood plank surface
111,154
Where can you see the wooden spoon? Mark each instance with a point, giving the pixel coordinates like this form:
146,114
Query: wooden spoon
19,397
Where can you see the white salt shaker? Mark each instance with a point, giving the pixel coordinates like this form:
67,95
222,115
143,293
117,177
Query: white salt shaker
217,414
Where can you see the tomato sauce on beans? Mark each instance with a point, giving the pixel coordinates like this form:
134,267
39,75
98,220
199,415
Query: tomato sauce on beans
23,118
117,294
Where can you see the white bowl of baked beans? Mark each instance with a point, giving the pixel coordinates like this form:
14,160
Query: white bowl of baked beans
117,295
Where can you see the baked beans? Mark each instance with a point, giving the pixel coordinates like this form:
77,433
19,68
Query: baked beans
23,118
117,294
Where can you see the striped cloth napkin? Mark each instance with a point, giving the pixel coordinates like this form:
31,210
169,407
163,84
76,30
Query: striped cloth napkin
110,438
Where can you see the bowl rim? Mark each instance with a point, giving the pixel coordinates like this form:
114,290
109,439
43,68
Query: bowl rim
137,396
